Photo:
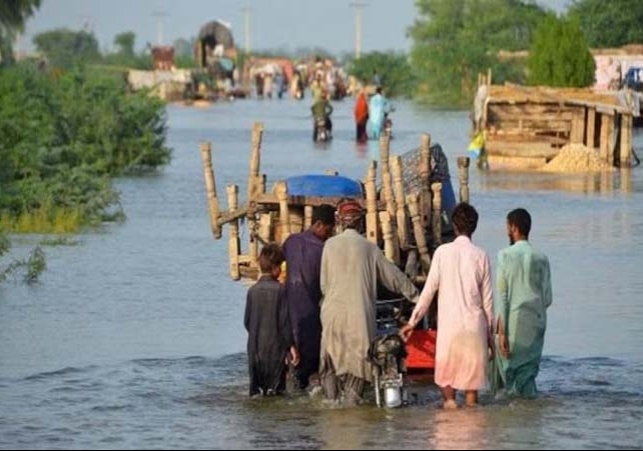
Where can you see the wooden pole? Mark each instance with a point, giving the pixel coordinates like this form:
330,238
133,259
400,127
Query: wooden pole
463,170
398,181
591,128
387,234
254,179
606,139
387,186
253,244
371,203
284,211
626,141
387,182
425,177
265,228
489,77
418,231
437,213
411,269
211,189
256,186
308,217
577,133
233,240
296,221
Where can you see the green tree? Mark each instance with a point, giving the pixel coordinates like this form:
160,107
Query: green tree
65,48
454,40
14,13
560,55
13,16
125,56
612,23
125,43
393,68
184,53
62,136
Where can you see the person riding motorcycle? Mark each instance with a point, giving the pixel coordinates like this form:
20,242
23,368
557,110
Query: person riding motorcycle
322,109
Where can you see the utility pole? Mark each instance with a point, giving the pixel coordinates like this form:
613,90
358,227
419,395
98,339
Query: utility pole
87,23
246,14
359,7
160,23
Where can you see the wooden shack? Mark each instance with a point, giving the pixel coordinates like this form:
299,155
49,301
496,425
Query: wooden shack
405,220
525,127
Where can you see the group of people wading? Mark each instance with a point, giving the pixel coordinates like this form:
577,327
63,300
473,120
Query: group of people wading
321,321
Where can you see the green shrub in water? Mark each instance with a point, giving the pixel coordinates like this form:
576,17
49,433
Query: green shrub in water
62,137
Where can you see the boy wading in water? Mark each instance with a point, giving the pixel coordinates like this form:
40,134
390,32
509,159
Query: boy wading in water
270,338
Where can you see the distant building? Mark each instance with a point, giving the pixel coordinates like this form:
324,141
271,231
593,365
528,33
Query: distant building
163,57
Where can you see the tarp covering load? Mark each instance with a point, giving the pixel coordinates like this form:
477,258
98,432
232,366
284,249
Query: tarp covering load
215,38
439,174
411,164
324,186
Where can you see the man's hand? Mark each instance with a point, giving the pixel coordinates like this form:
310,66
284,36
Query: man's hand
492,346
294,356
406,331
504,346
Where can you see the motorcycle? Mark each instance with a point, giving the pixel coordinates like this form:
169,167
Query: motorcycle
323,134
387,354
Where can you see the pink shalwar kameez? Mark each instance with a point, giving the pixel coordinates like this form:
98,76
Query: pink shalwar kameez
461,274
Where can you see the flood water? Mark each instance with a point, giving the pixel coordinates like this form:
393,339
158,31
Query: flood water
134,338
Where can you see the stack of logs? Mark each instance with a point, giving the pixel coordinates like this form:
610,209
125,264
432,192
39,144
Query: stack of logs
389,215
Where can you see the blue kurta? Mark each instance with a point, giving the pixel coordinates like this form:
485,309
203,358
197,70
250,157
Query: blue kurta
523,295
303,259
377,108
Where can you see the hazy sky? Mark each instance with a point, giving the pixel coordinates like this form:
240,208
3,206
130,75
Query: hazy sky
275,23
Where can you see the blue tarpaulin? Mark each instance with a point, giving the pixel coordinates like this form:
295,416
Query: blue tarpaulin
324,186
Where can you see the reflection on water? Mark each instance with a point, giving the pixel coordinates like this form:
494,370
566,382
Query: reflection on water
604,183
135,340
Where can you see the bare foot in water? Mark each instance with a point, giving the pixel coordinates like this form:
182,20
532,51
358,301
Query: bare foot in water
450,404
471,398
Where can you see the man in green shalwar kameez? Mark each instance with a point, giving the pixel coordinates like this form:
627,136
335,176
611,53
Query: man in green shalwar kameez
523,295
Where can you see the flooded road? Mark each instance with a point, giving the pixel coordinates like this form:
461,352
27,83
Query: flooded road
134,338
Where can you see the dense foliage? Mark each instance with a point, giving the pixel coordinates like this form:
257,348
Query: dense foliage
62,136
393,69
612,23
64,47
455,40
560,55
13,16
